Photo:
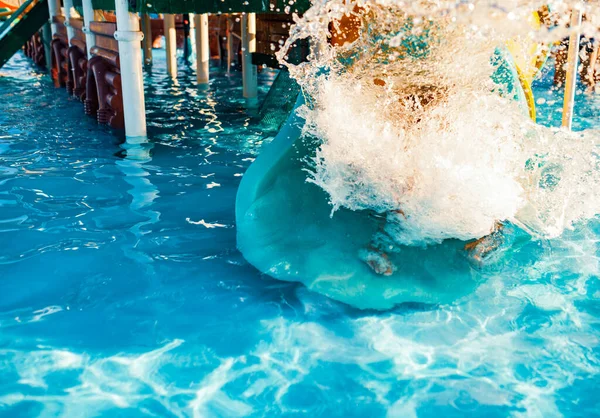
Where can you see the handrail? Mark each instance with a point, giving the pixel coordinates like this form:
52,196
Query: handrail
529,58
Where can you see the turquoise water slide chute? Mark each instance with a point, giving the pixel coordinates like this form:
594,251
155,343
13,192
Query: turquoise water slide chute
285,229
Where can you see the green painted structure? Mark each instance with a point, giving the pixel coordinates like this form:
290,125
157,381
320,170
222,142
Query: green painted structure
204,6
21,26
30,17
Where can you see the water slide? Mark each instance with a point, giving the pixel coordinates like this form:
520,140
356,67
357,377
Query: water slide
21,26
285,228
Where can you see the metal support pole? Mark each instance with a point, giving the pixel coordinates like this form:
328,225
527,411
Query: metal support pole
189,37
88,16
202,49
130,54
53,10
229,43
171,44
249,72
219,44
46,38
571,76
192,38
69,13
147,42
186,36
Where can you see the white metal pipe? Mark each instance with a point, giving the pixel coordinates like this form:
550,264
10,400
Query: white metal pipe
69,13
54,10
130,54
249,72
147,43
571,73
171,44
202,49
88,16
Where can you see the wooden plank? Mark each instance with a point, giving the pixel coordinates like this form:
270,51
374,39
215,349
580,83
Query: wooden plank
103,28
111,56
79,44
107,42
58,19
76,23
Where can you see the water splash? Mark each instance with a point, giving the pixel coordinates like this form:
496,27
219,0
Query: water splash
410,124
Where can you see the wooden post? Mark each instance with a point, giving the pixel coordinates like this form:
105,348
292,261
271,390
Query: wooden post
171,44
249,72
147,42
571,76
189,37
192,37
202,49
46,38
229,43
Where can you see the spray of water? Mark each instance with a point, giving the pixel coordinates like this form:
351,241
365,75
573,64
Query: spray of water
410,124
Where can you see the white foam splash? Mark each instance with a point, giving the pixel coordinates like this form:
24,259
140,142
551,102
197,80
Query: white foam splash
418,128
206,224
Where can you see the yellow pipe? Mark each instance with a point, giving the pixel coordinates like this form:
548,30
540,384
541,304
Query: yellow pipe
572,58
529,57
529,97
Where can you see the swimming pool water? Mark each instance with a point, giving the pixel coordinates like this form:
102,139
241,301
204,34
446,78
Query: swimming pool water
122,293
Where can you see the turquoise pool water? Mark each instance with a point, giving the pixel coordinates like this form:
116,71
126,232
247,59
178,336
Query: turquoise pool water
122,293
